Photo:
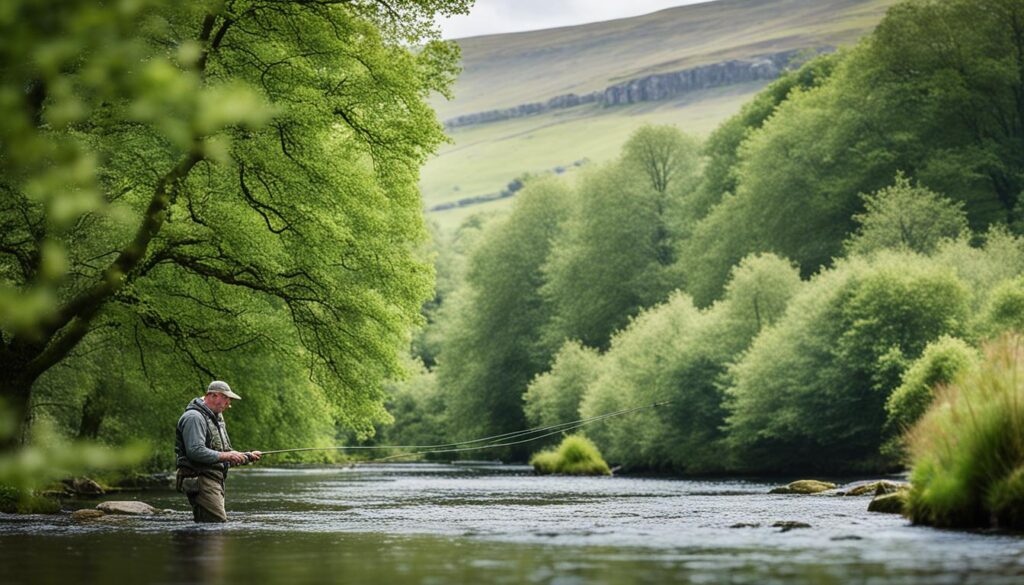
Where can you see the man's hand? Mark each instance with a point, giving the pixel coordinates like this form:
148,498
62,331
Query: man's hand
255,455
233,457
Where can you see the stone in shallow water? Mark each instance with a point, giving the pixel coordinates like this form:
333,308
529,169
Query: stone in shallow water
875,488
787,525
804,486
746,525
129,507
87,514
889,503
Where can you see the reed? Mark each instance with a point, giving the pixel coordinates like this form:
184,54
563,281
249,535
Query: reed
967,451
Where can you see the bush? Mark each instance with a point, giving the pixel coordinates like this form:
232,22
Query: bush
967,451
554,396
810,393
940,363
1004,310
576,455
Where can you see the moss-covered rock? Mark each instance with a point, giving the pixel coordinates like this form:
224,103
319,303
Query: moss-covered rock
576,455
87,514
894,503
875,488
804,486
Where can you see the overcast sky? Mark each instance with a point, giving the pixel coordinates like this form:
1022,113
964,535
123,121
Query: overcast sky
502,16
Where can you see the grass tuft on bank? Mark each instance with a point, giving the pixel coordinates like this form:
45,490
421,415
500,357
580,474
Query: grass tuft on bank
967,452
575,455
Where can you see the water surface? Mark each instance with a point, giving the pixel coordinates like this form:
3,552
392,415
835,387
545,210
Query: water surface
426,523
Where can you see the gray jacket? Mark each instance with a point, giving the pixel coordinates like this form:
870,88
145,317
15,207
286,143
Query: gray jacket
200,436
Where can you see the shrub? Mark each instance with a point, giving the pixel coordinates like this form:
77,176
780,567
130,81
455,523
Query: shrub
810,393
554,396
1004,310
576,455
940,363
967,452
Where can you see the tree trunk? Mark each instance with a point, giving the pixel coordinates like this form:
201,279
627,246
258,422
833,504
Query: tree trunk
15,394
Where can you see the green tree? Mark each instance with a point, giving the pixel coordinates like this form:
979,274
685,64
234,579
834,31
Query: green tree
675,352
906,217
553,397
810,392
934,91
616,252
196,169
940,363
491,347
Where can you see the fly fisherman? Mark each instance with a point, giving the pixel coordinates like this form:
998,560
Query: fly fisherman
204,452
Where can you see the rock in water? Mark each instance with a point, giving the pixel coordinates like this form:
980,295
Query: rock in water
889,503
131,508
83,486
787,525
87,514
804,486
875,488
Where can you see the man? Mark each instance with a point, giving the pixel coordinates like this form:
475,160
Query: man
204,452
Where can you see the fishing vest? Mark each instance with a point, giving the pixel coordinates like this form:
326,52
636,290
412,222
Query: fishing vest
216,437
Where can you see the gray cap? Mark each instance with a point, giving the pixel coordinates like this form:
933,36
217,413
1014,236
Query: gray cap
222,388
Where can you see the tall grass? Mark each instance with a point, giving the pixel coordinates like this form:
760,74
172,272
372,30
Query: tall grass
576,455
967,452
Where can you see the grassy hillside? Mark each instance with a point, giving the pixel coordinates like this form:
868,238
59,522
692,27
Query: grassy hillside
506,70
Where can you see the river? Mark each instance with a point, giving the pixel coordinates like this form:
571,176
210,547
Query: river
434,524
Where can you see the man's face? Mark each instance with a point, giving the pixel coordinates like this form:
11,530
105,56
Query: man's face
218,402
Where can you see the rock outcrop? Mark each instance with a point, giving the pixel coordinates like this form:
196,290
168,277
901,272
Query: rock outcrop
655,87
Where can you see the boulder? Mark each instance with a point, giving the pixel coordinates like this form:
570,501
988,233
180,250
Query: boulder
875,488
131,508
804,486
893,503
87,514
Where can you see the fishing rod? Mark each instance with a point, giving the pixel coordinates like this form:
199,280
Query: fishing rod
503,439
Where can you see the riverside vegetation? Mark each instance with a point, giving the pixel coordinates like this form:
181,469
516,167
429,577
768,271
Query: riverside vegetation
795,286
798,286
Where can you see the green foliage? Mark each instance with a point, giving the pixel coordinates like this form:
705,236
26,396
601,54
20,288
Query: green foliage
942,111
723,146
675,352
554,396
810,392
1004,310
198,190
940,364
614,254
493,321
998,257
906,217
967,451
47,457
575,455
418,408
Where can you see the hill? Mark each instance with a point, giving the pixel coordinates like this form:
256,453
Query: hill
506,71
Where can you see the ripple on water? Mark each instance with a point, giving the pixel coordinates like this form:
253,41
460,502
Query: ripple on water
444,523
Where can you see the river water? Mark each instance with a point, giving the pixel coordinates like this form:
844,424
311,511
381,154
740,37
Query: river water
437,524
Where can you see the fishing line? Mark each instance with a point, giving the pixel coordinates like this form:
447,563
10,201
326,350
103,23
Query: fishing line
493,441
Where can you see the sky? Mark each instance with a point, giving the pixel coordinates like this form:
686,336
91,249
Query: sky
502,16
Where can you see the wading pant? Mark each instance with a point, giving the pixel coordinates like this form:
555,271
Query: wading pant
205,494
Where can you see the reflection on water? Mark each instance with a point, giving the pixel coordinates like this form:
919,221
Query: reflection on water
399,524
